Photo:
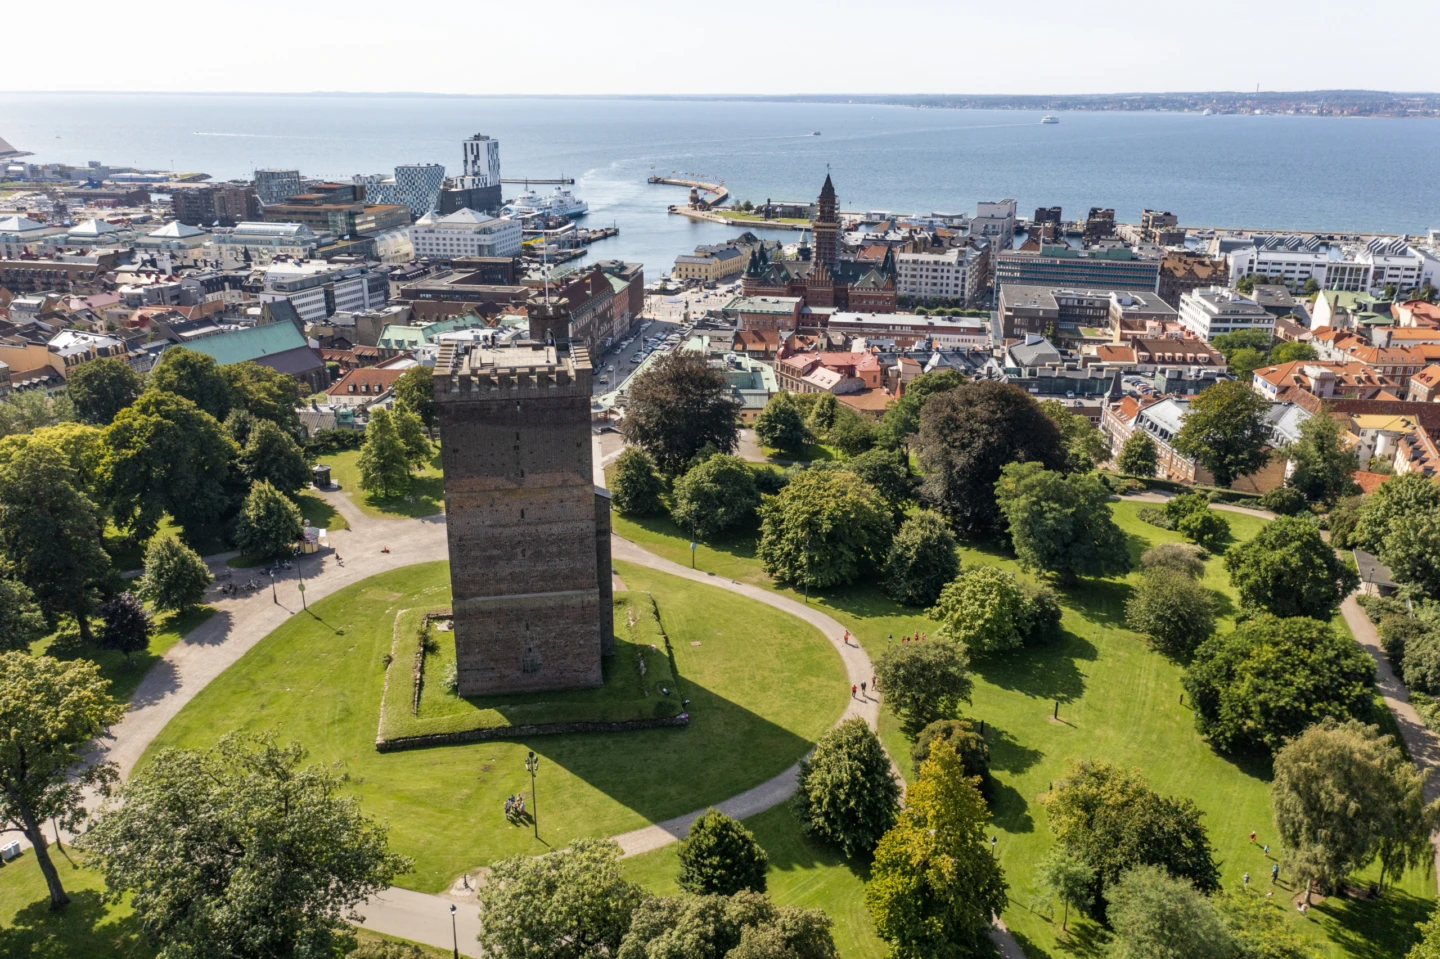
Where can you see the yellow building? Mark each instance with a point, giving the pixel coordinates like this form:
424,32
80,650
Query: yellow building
711,266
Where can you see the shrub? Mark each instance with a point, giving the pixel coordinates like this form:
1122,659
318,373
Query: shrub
636,486
1396,633
1181,506
1184,558
451,679
1206,528
1174,610
1285,501
1155,516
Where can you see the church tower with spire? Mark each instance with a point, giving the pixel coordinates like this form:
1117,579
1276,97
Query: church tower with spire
826,227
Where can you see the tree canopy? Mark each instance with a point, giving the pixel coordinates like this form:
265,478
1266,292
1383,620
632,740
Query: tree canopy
935,883
743,926
1138,457
1085,446
1173,609
50,710
780,425
272,455
922,560
21,619
824,529
635,487
265,393
718,856
678,407
268,525
175,578
1398,499
847,794
127,625
1154,914
1287,569
1412,552
415,393
715,496
194,376
103,387
384,462
968,435
242,850
1110,818
1061,524
1323,466
1267,680
902,417
924,680
1225,431
888,471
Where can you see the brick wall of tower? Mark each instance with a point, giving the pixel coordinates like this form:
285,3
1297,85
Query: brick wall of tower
521,522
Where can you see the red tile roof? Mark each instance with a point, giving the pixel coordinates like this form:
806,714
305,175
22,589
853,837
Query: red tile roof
369,381
1369,482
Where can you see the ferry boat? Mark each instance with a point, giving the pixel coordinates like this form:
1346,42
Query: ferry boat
815,134
1049,119
560,203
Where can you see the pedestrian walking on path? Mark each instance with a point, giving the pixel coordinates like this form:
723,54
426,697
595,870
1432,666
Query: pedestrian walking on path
862,687
1252,837
852,690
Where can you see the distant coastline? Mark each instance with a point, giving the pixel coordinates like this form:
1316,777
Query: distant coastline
1328,103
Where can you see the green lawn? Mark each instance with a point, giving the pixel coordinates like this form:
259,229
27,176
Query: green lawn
763,686
628,694
1119,702
317,512
426,496
87,928
125,675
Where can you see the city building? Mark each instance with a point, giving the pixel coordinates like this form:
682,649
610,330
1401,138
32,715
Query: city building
773,314
262,242
1181,272
67,273
278,346
1208,313
1159,228
529,533
1099,223
955,274
318,289
1080,314
995,220
906,331
1325,380
174,244
478,188
214,204
363,387
323,212
415,186
710,266
273,186
20,236
1163,420
465,233
1061,266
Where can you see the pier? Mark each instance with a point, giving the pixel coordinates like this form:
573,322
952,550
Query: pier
720,194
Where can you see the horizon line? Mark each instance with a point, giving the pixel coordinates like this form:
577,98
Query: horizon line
722,95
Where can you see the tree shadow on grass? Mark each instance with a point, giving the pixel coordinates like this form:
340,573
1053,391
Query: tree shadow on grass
1048,672
1084,939
1008,809
83,928
1380,928
1007,753
783,840
1101,601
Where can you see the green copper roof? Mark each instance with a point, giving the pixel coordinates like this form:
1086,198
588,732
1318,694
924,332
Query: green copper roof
249,344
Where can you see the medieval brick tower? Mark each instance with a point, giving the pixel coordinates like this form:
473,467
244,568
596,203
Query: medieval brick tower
827,227
529,532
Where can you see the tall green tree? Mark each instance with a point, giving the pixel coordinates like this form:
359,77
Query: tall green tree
1225,431
384,462
715,496
1068,878
1343,796
935,882
196,377
823,410
265,393
984,609
922,560
718,856
967,436
51,535
679,406
102,388
1397,501
164,454
1110,818
1155,915
825,528
1323,466
888,471
50,711
1292,352
635,487
851,433
1061,524
969,745
902,417
415,393
1412,551
1138,457
1266,681
242,851
175,578
1429,945
412,436
270,455
924,680
1173,609
847,794
268,524
1084,444
780,425
570,904
1287,569
21,619
24,411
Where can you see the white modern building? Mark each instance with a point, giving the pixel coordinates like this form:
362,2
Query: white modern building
1293,259
953,274
262,242
907,331
995,219
1214,310
174,244
482,162
20,235
317,289
415,185
464,233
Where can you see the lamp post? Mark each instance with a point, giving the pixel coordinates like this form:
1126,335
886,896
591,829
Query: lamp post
273,597
532,763
454,936
692,539
301,573
807,571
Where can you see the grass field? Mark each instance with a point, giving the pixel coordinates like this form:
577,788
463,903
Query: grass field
87,928
426,496
628,694
1118,701
125,675
763,686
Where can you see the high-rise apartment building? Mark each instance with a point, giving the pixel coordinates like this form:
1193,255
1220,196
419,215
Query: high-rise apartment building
276,185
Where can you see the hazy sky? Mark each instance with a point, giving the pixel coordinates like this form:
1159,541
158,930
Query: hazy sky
740,46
